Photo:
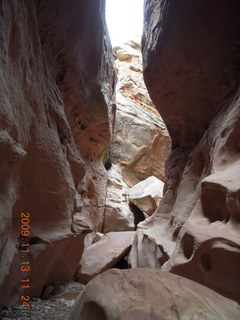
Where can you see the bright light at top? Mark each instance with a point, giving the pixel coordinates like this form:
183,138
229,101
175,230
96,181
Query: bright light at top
124,20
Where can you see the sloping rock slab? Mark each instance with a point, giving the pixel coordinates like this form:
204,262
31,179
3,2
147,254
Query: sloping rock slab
150,294
104,254
146,195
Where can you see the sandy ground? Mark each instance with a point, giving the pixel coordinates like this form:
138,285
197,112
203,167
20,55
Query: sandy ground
56,307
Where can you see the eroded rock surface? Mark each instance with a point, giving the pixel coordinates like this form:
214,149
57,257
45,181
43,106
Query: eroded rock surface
55,116
191,69
150,294
140,142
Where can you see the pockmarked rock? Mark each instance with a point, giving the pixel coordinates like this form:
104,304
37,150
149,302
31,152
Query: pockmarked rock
193,77
150,294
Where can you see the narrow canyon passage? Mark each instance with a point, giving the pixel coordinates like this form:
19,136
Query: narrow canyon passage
83,153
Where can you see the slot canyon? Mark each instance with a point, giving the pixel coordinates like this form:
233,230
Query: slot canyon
119,167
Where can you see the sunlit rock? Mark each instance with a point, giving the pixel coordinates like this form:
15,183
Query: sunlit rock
140,142
118,216
147,194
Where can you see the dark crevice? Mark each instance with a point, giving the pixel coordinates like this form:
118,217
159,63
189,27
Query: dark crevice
123,263
188,245
138,214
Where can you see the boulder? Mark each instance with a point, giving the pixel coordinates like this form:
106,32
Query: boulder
118,216
150,294
146,195
104,254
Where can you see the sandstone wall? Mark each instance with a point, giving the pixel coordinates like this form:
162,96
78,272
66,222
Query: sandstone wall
191,67
140,143
55,116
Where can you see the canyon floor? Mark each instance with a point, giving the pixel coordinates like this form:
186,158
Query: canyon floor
56,307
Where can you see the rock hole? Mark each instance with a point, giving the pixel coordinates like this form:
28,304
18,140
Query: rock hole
205,262
82,127
93,311
107,160
60,77
188,245
108,164
35,240
214,202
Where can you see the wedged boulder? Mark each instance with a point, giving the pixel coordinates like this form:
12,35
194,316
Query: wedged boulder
104,254
118,216
150,294
146,195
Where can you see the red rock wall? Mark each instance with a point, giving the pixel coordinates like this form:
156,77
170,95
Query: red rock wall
55,117
192,70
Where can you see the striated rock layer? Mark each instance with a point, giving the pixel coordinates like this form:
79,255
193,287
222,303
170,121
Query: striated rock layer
55,117
150,294
192,70
140,143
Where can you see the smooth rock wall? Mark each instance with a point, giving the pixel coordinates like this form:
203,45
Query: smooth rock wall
55,126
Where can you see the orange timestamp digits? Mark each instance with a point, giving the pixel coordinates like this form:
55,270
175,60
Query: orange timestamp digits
24,252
